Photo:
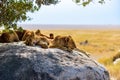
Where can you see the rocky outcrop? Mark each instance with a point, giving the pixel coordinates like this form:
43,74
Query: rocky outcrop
20,62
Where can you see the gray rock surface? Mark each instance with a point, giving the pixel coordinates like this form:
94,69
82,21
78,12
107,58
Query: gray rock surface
20,62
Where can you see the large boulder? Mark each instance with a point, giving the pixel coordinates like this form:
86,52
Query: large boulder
20,62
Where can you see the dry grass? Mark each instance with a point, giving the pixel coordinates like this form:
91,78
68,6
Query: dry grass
102,44
114,68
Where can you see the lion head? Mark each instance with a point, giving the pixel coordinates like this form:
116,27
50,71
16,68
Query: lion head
26,34
30,40
42,42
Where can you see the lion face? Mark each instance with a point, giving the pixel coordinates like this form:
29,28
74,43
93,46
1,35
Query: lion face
70,43
43,42
26,34
30,40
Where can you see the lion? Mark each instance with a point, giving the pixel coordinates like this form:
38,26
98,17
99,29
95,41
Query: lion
26,34
38,32
34,39
43,42
63,42
7,37
30,39
20,33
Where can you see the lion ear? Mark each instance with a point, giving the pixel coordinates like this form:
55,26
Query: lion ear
38,32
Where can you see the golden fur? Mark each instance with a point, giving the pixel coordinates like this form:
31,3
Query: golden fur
34,39
43,42
26,34
64,43
8,37
38,32
20,33
30,39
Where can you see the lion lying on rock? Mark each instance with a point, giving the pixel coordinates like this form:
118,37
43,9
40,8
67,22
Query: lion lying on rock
63,42
34,39
7,37
31,38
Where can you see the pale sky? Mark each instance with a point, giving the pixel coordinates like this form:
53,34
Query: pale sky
67,12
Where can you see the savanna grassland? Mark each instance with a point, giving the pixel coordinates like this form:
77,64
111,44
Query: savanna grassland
102,46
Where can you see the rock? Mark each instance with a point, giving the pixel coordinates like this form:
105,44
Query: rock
20,62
